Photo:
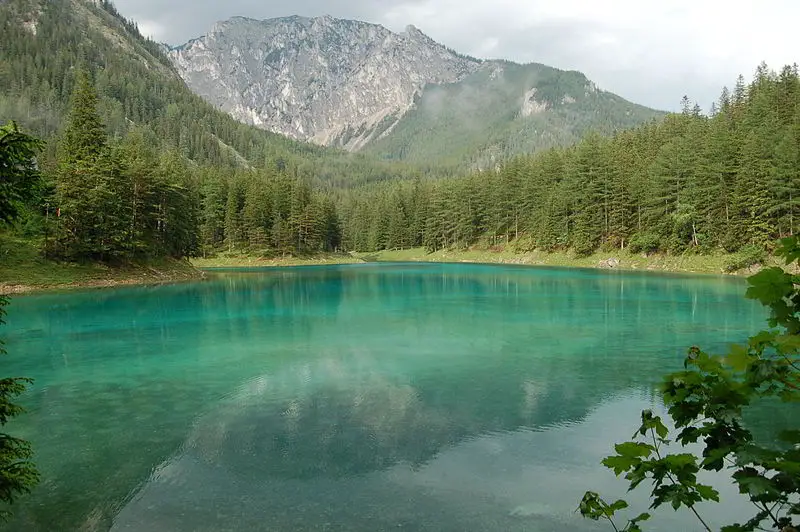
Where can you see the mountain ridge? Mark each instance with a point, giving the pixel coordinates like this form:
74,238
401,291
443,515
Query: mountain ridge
350,84
314,78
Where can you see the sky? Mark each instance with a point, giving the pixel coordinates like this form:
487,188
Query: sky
647,51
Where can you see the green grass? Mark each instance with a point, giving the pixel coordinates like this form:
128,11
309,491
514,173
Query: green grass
24,269
242,260
689,263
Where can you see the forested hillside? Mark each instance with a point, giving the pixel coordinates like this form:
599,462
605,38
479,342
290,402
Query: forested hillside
689,182
44,42
161,168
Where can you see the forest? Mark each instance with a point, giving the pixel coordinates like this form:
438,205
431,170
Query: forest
691,182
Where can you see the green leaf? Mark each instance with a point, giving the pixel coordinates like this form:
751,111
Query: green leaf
753,485
618,505
707,492
787,343
633,524
619,464
738,357
593,507
679,461
634,449
789,249
769,286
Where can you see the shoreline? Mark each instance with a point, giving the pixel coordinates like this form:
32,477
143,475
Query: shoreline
688,264
249,261
98,277
63,277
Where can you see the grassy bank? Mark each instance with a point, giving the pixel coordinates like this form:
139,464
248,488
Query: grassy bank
238,260
23,269
688,263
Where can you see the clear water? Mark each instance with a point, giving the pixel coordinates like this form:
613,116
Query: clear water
366,397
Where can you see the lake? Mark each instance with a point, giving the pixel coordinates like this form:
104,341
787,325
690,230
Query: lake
363,397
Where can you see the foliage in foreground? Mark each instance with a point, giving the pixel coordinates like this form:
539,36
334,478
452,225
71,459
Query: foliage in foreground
17,473
705,403
18,176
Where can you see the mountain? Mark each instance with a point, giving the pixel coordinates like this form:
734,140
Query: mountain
402,96
315,79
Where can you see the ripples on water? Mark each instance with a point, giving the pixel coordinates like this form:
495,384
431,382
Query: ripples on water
367,397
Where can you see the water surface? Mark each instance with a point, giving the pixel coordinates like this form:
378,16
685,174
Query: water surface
362,397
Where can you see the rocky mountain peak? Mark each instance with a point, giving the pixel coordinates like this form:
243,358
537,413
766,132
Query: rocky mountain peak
327,80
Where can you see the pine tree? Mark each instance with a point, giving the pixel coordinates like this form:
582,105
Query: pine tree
256,213
135,191
234,230
621,205
752,199
787,178
17,473
85,135
174,218
588,176
397,224
83,184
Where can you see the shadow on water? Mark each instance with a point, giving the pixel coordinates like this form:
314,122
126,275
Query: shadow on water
365,397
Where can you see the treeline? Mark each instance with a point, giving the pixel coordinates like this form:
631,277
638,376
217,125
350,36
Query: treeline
691,182
120,200
265,212
115,201
726,180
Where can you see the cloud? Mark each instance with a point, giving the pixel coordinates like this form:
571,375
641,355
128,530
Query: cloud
649,52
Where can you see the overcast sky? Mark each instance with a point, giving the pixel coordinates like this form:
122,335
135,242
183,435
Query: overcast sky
649,51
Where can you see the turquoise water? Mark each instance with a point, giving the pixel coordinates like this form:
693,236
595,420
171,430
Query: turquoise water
365,397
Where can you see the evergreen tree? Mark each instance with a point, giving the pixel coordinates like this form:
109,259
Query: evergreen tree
82,184
588,176
84,137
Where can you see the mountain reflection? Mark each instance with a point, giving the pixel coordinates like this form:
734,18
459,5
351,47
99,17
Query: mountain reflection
330,420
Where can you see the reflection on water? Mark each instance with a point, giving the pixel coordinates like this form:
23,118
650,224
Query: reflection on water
367,397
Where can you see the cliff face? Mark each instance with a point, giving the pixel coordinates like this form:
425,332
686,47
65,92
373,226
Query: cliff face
330,81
